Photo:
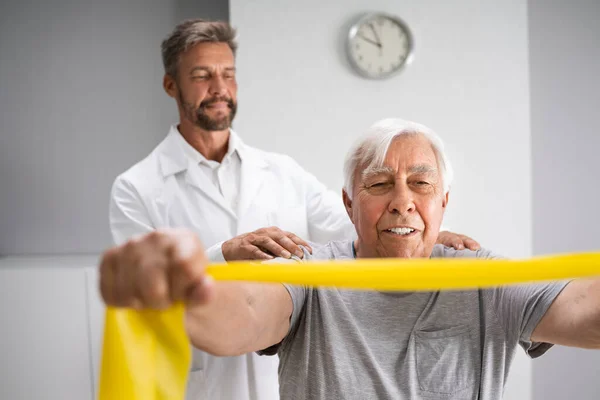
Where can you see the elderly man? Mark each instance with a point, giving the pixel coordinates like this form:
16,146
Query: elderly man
366,344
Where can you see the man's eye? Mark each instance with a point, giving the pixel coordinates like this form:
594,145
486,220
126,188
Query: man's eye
421,183
200,77
379,184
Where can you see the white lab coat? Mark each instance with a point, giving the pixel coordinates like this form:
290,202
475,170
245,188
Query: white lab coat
166,189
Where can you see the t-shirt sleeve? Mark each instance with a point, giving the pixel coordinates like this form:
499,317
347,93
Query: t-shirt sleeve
298,296
521,308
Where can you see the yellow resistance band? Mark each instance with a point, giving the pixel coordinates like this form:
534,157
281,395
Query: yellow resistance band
146,354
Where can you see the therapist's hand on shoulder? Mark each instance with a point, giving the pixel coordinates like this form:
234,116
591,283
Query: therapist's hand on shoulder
264,244
155,270
457,241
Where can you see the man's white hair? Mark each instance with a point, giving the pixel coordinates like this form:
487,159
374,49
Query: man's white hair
370,150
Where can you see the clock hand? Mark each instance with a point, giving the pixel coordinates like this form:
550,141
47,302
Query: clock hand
376,35
366,39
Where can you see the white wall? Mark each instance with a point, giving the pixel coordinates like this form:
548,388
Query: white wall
468,81
565,99
46,347
96,311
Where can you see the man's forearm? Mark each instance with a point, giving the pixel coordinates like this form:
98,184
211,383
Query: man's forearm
589,319
240,318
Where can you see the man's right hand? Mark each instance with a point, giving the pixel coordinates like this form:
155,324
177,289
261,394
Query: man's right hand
156,270
264,244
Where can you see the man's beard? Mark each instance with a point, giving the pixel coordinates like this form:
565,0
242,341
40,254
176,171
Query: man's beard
201,118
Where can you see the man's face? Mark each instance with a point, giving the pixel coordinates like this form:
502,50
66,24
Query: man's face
206,87
397,209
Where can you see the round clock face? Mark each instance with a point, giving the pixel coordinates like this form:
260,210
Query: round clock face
379,45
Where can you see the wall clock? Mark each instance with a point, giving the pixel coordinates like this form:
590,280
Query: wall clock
379,45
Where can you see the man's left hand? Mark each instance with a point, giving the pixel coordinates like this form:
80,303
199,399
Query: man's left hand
459,242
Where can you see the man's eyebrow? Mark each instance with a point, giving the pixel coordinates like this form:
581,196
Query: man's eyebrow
422,169
372,171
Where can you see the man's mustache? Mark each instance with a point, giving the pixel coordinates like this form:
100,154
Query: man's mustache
214,100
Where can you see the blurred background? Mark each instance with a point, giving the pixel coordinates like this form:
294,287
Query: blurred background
512,87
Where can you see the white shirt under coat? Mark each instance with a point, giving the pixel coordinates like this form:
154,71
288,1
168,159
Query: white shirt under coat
175,186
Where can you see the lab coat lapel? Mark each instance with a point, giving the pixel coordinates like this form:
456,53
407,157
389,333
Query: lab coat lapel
174,160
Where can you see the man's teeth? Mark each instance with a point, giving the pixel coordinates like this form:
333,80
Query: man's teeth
401,231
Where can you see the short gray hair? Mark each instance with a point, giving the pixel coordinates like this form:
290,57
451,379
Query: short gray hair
190,33
370,150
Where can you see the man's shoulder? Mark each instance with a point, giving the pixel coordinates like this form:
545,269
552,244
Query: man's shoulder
334,250
342,249
145,173
268,156
273,159
337,250
441,251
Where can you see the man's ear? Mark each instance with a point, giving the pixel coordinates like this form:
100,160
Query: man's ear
170,85
445,200
347,203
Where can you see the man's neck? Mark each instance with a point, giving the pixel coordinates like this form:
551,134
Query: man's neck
212,145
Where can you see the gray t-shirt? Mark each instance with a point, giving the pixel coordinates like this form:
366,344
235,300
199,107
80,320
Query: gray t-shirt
350,344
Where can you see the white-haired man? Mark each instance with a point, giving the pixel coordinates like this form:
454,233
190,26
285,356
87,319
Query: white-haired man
366,344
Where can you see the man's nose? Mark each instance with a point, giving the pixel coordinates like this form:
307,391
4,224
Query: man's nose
217,86
402,201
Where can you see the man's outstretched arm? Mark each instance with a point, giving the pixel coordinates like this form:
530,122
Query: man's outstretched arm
167,266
